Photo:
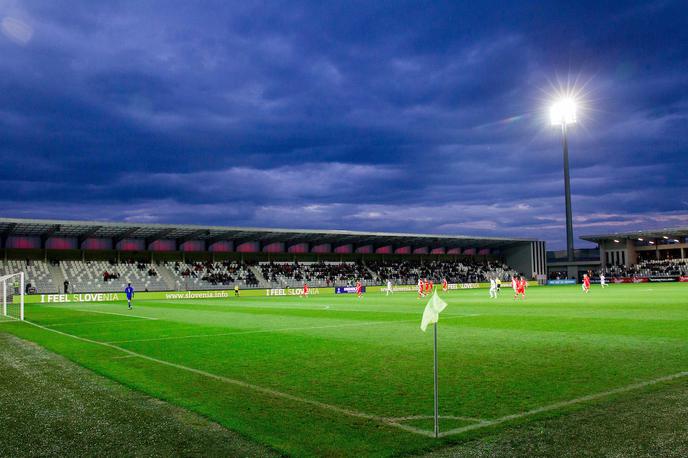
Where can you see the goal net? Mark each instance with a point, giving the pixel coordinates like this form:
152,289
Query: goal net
12,287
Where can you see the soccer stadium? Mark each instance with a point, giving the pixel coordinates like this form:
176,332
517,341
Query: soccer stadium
329,372
343,229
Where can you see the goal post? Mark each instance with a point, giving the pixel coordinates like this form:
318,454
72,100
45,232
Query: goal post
12,296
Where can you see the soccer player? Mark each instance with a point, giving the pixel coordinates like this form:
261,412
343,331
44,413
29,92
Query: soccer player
236,290
428,286
305,290
522,285
389,287
421,288
359,289
129,291
499,284
445,285
603,281
493,288
514,286
586,283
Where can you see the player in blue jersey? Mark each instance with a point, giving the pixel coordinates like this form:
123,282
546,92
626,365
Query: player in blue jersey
129,291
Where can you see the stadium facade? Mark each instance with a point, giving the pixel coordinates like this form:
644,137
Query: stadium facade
629,248
90,240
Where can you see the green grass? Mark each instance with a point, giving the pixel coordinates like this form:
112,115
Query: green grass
52,407
323,376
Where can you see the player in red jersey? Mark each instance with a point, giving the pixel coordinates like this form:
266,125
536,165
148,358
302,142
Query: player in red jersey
522,285
428,285
586,283
514,286
445,286
305,290
359,289
421,288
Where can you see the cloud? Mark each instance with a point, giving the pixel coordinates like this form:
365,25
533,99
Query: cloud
341,115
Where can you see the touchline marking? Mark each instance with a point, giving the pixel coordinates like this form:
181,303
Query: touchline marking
261,331
82,323
118,314
559,405
260,389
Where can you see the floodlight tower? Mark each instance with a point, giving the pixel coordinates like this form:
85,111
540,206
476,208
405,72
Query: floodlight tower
563,113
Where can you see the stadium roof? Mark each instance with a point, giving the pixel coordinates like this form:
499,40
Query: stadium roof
183,232
650,233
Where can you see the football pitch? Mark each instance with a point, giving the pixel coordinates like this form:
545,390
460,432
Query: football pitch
338,375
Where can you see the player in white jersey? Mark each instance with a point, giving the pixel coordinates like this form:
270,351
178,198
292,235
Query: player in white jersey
514,286
603,281
389,288
493,288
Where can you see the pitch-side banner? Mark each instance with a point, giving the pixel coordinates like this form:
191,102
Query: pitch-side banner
568,281
347,290
683,278
630,280
664,279
163,295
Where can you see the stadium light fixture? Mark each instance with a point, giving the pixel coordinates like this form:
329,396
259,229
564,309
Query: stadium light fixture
641,239
563,112
665,237
616,241
651,242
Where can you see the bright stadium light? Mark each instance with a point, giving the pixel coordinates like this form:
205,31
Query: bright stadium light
665,237
563,112
616,241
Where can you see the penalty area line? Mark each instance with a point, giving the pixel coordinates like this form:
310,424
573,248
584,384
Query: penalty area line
246,385
118,314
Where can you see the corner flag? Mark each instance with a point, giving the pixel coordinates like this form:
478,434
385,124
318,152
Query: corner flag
431,314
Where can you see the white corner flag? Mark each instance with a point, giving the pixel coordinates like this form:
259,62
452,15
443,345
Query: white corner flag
431,314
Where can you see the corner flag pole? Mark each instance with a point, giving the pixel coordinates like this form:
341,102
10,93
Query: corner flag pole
431,314
437,408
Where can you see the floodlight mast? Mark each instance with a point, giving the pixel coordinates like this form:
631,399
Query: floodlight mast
563,113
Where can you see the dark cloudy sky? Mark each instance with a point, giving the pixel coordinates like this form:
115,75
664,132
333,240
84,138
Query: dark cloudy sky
401,116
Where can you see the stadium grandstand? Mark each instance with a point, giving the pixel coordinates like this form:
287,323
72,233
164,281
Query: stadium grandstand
644,255
79,256
650,255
